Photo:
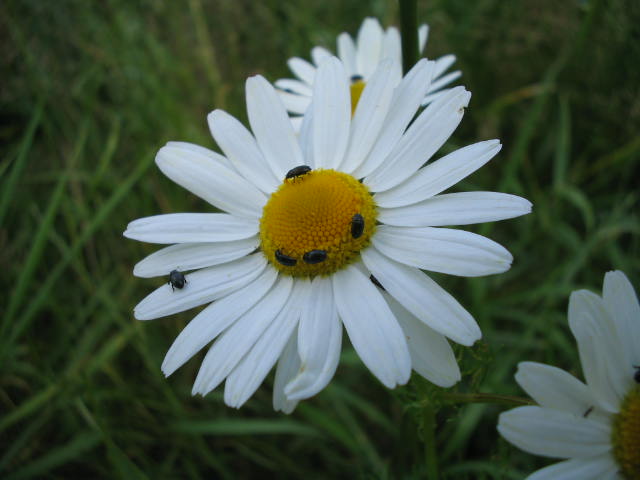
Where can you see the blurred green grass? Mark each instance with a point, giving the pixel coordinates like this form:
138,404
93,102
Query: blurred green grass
91,90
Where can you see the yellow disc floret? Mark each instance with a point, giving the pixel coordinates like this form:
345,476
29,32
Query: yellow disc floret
316,222
626,435
356,90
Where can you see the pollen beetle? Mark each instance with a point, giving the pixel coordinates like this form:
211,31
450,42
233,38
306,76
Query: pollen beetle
357,226
315,256
285,260
176,280
356,78
297,171
376,282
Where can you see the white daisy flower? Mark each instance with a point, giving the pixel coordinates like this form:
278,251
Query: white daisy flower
360,58
596,426
313,223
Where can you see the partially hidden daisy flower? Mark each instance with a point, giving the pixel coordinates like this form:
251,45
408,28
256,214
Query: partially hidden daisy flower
323,229
360,58
596,426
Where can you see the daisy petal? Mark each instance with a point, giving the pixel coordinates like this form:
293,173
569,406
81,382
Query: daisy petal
191,256
621,302
203,286
435,90
331,114
214,319
288,366
245,379
272,127
431,355
423,35
214,156
455,252
404,104
372,328
552,387
438,83
237,340
302,69
391,47
319,342
555,434
242,150
293,86
191,228
603,361
601,467
423,297
294,103
370,114
462,208
347,53
432,97
296,123
424,137
305,136
369,46
440,175
442,64
319,54
211,181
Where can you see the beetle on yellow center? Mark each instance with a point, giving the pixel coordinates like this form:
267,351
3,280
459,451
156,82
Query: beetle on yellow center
316,222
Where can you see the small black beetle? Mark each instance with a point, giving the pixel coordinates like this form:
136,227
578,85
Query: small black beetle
357,226
176,280
356,78
636,376
315,256
297,171
376,282
285,260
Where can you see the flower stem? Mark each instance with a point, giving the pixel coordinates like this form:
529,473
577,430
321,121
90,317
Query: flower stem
429,437
409,33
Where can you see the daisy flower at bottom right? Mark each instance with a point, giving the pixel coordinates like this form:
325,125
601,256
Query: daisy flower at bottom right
595,425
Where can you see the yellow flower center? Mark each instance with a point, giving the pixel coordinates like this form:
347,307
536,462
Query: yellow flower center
316,222
357,86
626,435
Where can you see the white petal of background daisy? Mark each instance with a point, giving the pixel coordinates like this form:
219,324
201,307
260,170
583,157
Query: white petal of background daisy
360,58
596,426
327,229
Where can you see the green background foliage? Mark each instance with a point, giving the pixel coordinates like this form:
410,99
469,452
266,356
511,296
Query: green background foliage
91,90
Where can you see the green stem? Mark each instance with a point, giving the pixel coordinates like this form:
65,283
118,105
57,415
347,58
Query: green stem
429,437
508,400
409,33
